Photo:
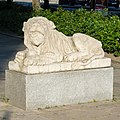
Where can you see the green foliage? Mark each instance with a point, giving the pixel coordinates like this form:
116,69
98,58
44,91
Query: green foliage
12,20
13,17
104,28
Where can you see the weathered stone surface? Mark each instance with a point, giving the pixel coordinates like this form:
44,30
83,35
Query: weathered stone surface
60,88
49,50
65,66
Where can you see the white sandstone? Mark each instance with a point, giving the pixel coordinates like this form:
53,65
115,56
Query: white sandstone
49,50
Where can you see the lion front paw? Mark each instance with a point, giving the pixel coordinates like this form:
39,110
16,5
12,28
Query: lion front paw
31,61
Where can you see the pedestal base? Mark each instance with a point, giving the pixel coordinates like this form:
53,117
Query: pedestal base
56,89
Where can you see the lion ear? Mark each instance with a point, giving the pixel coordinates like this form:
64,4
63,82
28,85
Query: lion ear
24,24
52,25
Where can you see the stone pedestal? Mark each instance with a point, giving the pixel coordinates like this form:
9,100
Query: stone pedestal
56,89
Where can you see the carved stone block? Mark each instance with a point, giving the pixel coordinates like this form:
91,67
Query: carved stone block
31,92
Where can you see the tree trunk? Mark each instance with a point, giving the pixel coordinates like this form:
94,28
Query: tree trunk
36,4
46,4
93,4
9,1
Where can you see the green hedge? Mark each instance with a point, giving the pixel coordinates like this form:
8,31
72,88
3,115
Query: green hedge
106,29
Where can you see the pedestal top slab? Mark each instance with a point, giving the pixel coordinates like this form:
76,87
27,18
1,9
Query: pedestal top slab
64,66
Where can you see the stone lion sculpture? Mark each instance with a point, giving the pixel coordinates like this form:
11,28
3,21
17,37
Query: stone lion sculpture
45,46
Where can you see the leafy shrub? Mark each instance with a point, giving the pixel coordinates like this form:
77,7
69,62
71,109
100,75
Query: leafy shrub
106,29
12,17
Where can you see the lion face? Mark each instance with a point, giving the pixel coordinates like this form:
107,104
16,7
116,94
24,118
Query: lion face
36,38
36,34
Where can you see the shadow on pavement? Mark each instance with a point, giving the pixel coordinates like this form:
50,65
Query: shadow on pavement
9,45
